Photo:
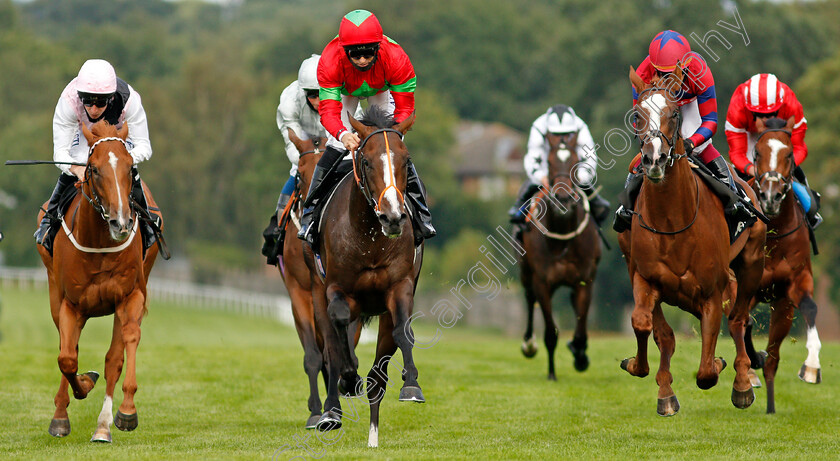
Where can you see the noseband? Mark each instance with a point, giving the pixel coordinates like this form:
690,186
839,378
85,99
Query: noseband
672,141
96,201
361,176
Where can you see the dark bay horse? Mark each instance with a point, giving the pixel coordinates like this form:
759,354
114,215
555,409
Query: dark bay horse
788,280
561,249
97,269
372,268
678,252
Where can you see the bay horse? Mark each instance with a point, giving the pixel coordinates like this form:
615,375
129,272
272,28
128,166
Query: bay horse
788,280
297,278
97,268
678,251
372,267
561,249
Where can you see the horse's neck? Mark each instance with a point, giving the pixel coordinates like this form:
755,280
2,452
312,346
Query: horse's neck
559,221
361,213
676,194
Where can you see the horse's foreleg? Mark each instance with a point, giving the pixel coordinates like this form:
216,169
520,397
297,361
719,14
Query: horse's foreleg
581,297
401,303
313,360
529,343
646,297
331,418
377,379
113,368
60,424
339,313
70,325
781,319
711,312
663,336
810,371
550,333
130,313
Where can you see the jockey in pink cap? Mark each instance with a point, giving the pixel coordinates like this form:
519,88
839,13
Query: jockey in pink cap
698,108
95,94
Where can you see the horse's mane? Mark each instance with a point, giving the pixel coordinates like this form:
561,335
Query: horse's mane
775,123
376,116
103,129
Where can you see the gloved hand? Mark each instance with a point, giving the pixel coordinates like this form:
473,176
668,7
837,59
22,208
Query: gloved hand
688,145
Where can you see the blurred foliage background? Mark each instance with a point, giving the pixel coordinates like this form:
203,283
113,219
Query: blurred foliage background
210,75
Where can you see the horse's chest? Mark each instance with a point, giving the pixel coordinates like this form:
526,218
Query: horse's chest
101,293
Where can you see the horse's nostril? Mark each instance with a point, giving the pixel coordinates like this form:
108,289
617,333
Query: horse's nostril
113,223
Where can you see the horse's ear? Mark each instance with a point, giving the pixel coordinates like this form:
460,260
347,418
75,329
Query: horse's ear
405,125
678,73
790,123
293,137
88,135
637,81
360,127
759,125
123,132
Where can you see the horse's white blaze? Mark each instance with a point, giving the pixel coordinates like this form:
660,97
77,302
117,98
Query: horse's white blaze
655,105
813,344
112,159
373,437
390,196
563,154
106,416
775,146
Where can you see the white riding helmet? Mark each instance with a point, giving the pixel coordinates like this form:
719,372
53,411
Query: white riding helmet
562,119
308,73
96,76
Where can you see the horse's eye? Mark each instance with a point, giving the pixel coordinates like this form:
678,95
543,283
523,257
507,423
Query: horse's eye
94,170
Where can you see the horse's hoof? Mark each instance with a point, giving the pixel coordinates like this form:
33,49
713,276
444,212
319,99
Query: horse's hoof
312,422
60,427
625,365
552,377
720,363
669,406
125,422
411,394
101,435
743,399
349,390
810,375
329,421
94,376
754,379
581,360
760,358
529,348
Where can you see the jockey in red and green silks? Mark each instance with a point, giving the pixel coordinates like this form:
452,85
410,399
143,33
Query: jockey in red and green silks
363,63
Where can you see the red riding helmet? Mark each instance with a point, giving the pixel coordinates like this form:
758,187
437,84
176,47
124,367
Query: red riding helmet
666,49
764,94
359,27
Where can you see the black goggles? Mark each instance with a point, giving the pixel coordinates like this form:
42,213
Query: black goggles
312,93
362,51
98,100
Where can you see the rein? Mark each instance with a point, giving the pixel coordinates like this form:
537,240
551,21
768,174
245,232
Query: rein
361,177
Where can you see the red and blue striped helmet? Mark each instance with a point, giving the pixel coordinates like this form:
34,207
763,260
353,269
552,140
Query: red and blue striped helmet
668,48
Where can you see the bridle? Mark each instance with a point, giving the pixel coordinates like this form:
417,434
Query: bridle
361,176
772,175
95,201
672,141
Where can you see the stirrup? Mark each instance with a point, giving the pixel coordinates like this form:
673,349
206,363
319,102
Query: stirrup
623,219
815,221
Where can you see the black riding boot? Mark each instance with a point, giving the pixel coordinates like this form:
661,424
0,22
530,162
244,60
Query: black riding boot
735,208
139,197
813,215
422,219
64,181
328,162
627,201
517,215
273,234
599,207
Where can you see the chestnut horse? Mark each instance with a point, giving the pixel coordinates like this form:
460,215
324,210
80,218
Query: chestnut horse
372,268
97,269
678,252
788,280
561,249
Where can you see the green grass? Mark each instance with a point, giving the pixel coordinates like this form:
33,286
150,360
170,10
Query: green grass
219,386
